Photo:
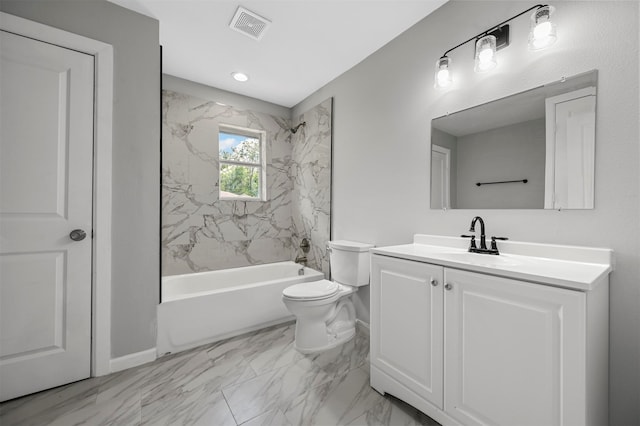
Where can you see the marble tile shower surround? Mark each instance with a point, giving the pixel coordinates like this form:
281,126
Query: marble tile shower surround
250,380
201,232
311,175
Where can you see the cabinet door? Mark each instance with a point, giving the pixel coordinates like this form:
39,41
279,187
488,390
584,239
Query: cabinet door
514,352
406,324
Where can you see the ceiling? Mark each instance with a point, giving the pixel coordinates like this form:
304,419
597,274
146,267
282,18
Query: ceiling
308,44
517,108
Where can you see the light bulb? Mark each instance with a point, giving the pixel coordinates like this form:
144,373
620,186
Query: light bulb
443,77
240,76
543,31
485,54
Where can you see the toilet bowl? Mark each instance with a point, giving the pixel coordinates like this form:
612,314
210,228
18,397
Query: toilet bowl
324,311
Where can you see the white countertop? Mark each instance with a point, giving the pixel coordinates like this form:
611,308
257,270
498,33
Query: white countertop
579,268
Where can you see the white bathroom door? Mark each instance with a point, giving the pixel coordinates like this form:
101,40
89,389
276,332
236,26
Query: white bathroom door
440,166
575,148
46,156
570,122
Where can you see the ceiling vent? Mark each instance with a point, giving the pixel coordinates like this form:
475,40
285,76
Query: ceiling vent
249,23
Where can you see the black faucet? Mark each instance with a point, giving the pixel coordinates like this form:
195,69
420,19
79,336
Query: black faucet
483,239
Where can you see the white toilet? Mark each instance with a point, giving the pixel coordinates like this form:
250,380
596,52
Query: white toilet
324,311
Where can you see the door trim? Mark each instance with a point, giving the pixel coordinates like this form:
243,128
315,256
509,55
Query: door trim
102,172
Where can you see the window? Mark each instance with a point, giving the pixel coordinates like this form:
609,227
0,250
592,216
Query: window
242,171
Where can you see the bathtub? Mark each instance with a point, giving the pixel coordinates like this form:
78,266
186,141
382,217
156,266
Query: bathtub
205,307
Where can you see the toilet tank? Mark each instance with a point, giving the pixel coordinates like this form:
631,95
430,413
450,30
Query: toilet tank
349,262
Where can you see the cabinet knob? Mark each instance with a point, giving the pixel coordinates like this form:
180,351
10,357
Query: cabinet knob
448,286
434,282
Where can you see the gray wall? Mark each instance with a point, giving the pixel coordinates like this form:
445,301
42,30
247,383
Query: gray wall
136,155
382,113
507,153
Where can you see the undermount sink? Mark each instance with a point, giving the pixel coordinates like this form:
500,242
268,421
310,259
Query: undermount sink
479,259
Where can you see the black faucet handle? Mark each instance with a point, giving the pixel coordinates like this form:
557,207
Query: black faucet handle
493,242
473,240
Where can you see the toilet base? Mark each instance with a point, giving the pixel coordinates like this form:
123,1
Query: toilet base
323,324
333,325
342,337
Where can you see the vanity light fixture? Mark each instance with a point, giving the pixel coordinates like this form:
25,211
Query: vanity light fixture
443,72
543,31
487,43
485,54
240,76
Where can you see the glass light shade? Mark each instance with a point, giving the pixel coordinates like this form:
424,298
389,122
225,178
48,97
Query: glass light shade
485,54
443,76
543,31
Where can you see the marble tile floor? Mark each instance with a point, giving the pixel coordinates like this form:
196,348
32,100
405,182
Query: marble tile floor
256,379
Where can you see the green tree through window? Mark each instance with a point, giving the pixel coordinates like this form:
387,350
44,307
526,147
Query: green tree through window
240,163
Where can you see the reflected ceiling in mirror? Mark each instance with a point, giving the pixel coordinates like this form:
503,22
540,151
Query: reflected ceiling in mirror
531,150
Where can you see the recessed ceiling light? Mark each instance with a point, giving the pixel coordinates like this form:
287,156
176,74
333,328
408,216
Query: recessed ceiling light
240,76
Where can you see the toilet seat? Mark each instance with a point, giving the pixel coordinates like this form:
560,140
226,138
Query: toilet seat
313,290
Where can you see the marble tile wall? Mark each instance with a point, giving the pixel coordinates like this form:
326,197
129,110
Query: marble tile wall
311,175
200,232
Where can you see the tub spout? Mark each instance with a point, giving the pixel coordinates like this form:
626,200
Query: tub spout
301,260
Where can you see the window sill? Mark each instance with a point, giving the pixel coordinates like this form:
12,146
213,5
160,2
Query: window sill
241,199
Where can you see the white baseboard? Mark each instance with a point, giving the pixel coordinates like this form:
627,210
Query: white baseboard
363,327
132,360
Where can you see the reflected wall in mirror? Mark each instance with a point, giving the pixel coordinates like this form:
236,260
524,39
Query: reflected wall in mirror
531,150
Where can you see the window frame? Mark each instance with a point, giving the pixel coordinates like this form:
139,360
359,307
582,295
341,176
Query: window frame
261,135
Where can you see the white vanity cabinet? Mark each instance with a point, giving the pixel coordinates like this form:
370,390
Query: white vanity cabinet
515,351
473,348
407,320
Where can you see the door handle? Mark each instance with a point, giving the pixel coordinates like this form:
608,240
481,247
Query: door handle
77,235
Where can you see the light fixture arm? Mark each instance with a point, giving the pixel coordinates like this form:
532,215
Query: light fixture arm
495,27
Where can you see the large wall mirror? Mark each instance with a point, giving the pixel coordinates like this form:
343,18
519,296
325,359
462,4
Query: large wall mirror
531,150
